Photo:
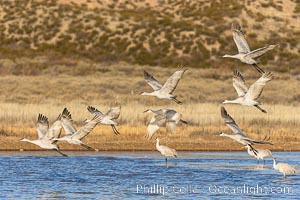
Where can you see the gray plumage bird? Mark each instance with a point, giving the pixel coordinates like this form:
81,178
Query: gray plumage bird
46,134
249,97
163,118
108,118
164,91
74,136
245,55
284,168
260,154
165,150
239,135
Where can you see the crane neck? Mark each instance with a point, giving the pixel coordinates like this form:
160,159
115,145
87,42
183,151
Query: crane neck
274,164
235,101
147,93
227,135
157,143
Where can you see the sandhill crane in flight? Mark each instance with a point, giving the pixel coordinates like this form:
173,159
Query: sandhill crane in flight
261,154
283,168
165,151
108,118
74,136
245,55
239,135
163,117
164,91
249,96
46,134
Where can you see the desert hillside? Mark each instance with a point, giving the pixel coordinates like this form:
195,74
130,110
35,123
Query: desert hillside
148,32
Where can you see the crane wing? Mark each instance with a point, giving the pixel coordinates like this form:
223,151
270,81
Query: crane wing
55,130
155,122
256,88
87,128
172,82
42,126
259,52
238,83
114,112
95,111
151,130
239,39
231,123
152,81
67,122
171,126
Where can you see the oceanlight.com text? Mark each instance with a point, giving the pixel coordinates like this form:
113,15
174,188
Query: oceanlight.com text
211,189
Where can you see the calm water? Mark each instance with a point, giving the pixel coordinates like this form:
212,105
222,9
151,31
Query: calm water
144,175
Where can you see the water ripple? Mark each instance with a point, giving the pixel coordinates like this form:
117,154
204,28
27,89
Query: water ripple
144,175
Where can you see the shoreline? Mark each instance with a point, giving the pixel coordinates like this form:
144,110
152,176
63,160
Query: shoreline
142,154
141,150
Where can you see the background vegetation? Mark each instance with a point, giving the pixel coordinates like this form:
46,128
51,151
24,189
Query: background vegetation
149,32
67,53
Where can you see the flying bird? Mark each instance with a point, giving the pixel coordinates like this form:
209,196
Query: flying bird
239,135
108,118
165,151
245,55
164,91
74,136
46,134
163,118
249,96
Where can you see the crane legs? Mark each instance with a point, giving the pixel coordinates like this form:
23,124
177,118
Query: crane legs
116,132
258,68
259,108
58,151
176,101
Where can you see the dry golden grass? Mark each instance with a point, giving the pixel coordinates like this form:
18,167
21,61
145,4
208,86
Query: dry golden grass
103,86
281,124
122,83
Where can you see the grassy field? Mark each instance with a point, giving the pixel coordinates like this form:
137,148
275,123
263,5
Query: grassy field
201,90
84,81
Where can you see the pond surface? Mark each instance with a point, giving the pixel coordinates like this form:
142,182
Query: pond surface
145,175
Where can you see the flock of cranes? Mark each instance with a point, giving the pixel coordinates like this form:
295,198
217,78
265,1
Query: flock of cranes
49,136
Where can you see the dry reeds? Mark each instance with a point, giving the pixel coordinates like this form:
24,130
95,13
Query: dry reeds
282,123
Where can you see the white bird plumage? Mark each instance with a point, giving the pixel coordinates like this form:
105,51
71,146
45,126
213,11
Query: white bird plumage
245,55
239,135
46,134
108,118
163,117
283,168
74,136
249,96
165,150
164,91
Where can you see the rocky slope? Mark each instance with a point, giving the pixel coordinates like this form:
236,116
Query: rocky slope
151,32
